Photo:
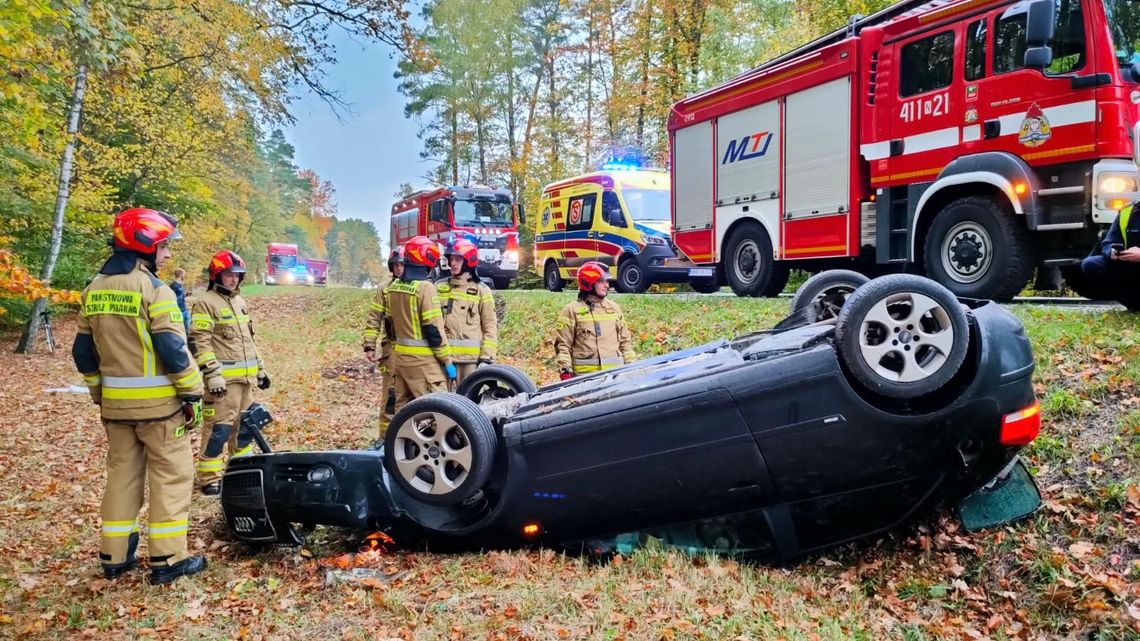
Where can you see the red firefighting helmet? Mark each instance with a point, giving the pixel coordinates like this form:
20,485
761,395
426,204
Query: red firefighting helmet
142,230
466,249
226,261
397,256
421,251
591,274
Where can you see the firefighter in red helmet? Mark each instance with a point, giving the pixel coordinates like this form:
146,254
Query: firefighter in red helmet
374,331
591,334
131,350
221,338
468,310
413,321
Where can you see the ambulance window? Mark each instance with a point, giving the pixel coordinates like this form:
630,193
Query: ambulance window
1009,44
976,50
927,64
1069,38
580,212
611,208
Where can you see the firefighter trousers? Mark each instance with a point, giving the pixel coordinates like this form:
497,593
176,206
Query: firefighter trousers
221,430
387,386
465,370
416,377
159,452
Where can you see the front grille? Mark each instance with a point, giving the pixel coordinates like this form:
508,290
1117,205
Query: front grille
243,504
292,473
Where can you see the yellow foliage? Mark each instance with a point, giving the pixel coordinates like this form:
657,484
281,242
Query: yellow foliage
16,282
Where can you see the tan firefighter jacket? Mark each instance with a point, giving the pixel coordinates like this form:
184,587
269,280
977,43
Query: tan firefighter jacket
413,314
221,337
374,328
131,347
469,316
592,337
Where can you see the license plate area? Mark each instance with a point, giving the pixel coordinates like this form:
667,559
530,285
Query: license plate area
700,272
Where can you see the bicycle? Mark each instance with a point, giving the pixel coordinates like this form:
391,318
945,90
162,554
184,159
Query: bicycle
49,337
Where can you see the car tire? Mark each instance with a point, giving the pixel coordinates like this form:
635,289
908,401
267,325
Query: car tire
440,448
902,336
821,297
978,250
749,265
551,278
631,278
705,285
501,282
493,382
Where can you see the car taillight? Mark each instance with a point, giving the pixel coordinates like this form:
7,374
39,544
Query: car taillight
1020,428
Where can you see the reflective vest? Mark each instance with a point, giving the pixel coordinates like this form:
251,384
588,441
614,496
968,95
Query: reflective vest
221,337
413,306
1125,215
590,338
469,316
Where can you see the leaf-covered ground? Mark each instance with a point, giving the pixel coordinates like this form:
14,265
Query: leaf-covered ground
1071,571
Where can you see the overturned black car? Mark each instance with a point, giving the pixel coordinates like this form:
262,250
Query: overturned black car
870,405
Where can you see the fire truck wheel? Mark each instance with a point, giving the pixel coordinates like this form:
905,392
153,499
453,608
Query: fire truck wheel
823,295
551,278
440,448
631,278
749,264
495,382
978,250
902,336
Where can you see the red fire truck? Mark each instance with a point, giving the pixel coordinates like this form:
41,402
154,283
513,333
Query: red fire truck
972,140
486,213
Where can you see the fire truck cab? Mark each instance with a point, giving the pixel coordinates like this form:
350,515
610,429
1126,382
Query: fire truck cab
490,215
972,140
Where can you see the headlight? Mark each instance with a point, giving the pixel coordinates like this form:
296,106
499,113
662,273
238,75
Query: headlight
320,474
309,278
1116,184
652,240
270,280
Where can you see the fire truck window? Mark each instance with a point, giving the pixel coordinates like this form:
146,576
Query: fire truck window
580,212
437,211
1009,44
1069,39
976,50
927,64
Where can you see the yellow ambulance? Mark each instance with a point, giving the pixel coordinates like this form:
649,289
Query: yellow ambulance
619,217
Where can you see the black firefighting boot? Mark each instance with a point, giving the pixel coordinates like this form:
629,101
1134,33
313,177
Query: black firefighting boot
212,489
161,574
114,571
390,406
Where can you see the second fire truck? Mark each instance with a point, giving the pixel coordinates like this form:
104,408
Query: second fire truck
972,140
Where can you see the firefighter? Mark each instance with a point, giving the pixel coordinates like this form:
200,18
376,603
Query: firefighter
413,321
468,310
221,338
374,331
591,334
131,350
1118,264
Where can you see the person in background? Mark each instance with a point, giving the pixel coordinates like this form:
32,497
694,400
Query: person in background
591,334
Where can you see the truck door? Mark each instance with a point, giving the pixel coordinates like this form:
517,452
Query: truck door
927,97
1043,116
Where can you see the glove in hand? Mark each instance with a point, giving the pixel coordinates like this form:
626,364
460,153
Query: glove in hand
262,380
452,372
192,411
216,385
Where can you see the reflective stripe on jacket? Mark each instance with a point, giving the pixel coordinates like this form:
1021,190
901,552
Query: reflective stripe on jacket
470,320
221,337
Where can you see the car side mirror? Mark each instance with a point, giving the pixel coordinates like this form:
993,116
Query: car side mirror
1040,23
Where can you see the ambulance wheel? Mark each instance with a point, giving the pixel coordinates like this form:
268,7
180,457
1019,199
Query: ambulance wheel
440,448
902,336
631,277
495,382
823,295
978,250
750,267
551,278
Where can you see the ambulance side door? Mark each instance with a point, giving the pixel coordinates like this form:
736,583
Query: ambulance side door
581,237
611,229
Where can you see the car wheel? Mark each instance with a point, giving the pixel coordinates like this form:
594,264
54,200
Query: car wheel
439,448
501,283
902,336
978,250
705,285
750,267
551,278
631,278
494,382
822,296
1082,285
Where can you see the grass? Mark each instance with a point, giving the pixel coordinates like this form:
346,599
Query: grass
1070,571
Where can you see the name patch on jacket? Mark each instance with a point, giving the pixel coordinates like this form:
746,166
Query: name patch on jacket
111,301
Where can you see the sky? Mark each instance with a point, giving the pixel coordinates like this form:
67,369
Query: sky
372,148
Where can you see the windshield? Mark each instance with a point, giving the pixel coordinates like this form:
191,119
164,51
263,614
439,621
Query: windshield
483,213
283,261
647,204
1124,23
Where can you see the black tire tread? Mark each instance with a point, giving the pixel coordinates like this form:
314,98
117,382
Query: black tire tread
1014,244
512,375
546,281
767,284
822,281
642,285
